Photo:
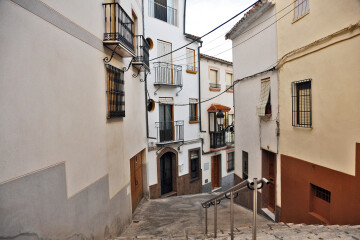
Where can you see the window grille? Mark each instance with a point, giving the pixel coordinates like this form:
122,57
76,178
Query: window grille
301,8
321,193
301,103
115,92
230,161
245,164
194,164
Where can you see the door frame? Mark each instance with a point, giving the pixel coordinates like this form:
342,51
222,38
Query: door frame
174,166
265,154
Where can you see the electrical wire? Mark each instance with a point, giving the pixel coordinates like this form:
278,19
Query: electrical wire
174,59
208,32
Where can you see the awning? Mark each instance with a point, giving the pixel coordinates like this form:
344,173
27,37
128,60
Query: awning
217,107
264,97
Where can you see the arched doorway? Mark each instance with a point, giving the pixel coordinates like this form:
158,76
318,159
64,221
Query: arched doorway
168,173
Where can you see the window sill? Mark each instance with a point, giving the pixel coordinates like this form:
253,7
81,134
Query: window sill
294,21
191,72
215,89
193,122
230,91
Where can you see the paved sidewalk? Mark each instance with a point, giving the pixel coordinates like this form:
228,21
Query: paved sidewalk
183,215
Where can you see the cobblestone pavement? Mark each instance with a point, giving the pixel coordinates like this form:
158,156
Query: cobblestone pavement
182,217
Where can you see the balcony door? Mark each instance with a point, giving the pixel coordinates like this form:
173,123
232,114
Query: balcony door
160,9
166,122
166,70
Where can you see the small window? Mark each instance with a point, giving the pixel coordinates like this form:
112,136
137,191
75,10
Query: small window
301,8
245,165
194,164
321,193
115,92
230,161
193,110
214,79
301,103
190,60
264,106
229,119
229,81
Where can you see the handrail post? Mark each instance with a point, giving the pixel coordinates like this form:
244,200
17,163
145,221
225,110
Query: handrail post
206,219
232,214
254,209
215,217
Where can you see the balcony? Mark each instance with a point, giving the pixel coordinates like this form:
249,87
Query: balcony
169,132
215,85
164,13
118,30
141,61
168,74
217,140
229,138
190,68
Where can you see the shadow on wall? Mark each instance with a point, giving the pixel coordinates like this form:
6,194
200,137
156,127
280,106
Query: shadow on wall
36,207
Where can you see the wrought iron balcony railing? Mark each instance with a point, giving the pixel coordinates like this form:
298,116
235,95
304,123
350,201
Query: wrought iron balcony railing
229,138
191,67
168,74
217,140
164,13
118,25
142,51
169,132
215,85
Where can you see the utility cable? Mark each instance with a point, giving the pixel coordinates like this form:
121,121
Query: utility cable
208,32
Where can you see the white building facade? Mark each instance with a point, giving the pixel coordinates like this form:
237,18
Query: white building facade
218,141
68,168
256,103
174,157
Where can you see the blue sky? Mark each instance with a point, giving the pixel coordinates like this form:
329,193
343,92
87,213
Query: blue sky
204,15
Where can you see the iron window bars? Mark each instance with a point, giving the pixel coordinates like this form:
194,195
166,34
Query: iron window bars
118,25
168,74
321,193
194,164
142,50
301,103
230,161
301,8
115,92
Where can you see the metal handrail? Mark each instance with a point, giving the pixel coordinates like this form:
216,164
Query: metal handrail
252,185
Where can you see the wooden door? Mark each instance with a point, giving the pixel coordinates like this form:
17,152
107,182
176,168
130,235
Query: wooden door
272,178
136,180
215,171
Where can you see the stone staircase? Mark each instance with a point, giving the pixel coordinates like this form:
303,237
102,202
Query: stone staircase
273,231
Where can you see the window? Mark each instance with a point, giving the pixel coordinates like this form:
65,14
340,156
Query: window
164,48
164,10
301,103
214,79
190,61
166,124
115,92
194,164
245,165
229,81
321,193
193,109
301,8
230,161
229,119
264,106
